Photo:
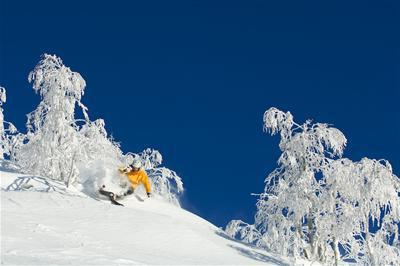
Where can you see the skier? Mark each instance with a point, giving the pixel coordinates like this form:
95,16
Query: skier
136,176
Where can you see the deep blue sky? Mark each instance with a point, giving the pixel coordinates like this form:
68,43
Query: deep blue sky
193,79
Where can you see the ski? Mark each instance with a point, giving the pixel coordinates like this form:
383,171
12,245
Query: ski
110,196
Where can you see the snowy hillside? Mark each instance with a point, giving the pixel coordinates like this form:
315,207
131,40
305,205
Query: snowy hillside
50,224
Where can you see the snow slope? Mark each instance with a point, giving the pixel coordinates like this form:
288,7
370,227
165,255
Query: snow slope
50,224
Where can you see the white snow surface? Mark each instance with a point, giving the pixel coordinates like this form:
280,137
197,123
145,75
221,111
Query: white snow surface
49,224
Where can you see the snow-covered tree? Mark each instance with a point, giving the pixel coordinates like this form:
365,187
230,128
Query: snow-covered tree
10,139
319,206
58,145
287,209
53,140
165,182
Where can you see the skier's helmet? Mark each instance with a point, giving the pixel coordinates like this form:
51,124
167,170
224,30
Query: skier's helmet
137,164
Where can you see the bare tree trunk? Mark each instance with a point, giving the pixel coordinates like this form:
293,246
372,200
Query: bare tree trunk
71,176
322,253
369,251
312,236
335,245
300,236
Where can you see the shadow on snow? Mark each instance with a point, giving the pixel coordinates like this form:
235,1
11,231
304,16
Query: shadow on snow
41,185
251,253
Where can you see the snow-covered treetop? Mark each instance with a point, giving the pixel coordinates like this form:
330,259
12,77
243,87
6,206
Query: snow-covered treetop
151,158
308,138
50,72
275,120
60,89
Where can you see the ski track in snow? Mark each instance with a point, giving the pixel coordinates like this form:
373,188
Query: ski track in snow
43,228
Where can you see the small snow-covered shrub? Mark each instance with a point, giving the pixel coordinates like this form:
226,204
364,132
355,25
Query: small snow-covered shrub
245,232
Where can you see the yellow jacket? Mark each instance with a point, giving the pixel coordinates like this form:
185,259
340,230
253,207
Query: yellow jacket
138,177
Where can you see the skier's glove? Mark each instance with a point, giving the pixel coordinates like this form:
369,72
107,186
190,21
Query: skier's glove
124,170
148,194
